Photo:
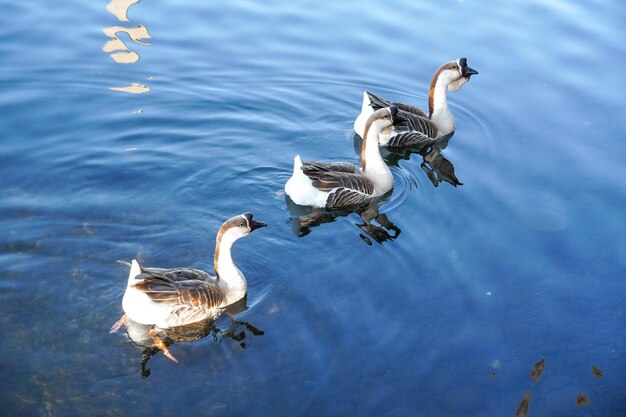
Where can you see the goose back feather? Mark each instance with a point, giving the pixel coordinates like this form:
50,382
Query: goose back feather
191,294
345,182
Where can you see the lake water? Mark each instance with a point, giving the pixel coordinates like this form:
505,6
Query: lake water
469,287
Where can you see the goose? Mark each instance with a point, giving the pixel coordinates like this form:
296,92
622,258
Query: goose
166,298
417,127
339,184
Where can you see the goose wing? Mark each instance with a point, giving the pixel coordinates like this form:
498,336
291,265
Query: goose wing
412,130
326,179
191,291
413,139
332,166
343,197
175,274
346,187
379,103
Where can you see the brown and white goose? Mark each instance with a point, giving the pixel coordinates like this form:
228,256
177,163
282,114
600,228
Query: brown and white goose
179,296
340,184
418,127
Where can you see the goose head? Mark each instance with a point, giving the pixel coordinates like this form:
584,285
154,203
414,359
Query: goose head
239,226
454,74
381,121
232,230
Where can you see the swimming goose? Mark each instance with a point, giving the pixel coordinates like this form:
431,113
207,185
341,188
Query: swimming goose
418,127
175,297
338,184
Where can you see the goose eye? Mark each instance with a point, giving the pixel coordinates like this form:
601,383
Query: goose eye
242,224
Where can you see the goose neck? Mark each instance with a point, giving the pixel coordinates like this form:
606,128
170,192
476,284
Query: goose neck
228,276
438,106
373,165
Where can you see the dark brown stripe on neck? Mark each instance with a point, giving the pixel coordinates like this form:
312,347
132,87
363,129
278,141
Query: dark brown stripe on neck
431,93
218,242
364,144
433,83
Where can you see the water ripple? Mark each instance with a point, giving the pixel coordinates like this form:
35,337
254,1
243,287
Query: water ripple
237,89
404,182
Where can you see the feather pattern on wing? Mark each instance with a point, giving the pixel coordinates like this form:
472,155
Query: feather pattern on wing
343,197
410,139
192,289
413,128
379,103
409,123
326,180
333,166
345,181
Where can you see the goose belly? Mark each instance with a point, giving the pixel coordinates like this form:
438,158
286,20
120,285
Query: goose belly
141,309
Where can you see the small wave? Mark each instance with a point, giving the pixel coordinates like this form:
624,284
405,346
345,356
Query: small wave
404,182
470,124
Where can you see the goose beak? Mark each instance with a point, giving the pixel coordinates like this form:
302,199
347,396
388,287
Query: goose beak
256,225
393,111
465,70
253,224
468,72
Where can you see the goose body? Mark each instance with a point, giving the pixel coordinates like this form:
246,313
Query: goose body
339,184
179,296
417,126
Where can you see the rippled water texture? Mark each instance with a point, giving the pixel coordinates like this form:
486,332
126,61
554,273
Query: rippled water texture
489,282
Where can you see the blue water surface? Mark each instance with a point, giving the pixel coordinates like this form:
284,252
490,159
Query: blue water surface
440,306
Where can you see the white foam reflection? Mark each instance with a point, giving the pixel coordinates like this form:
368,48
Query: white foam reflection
120,52
134,88
120,8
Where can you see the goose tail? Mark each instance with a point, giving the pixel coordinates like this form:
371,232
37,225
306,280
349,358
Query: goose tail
366,112
297,165
299,184
367,102
135,269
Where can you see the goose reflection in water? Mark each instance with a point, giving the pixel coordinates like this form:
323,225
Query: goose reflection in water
437,168
374,224
152,341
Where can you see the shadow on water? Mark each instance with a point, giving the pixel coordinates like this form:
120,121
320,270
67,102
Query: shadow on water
220,328
374,224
